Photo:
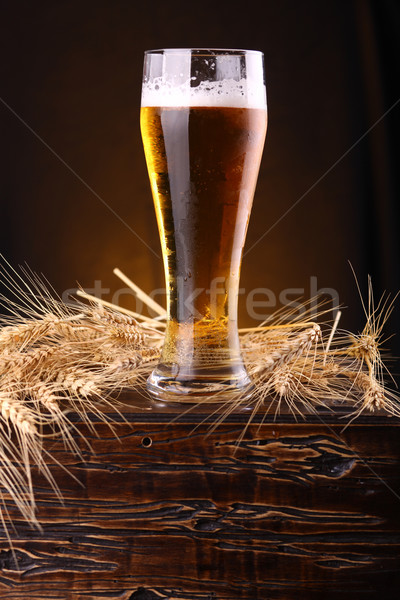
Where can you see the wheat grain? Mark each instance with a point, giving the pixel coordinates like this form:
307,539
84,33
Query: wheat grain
78,382
374,392
131,362
15,411
28,333
122,328
25,333
365,347
78,332
42,394
291,350
59,357
283,380
21,362
112,317
127,334
126,363
149,354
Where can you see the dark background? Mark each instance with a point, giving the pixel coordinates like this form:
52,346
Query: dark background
72,72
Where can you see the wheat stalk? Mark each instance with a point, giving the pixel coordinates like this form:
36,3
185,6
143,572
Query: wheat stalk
42,394
283,380
56,358
100,302
290,350
150,303
134,361
25,333
53,355
122,328
374,392
78,382
15,411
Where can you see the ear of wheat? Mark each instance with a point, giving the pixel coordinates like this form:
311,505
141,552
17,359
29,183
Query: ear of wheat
57,358
292,365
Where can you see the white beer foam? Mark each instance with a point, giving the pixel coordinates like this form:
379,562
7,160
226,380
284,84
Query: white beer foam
228,93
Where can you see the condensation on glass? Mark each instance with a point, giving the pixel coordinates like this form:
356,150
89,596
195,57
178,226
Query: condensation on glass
203,123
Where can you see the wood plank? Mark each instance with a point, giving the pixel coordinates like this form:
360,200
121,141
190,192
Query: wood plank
170,510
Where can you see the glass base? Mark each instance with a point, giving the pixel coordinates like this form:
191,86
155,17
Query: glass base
169,389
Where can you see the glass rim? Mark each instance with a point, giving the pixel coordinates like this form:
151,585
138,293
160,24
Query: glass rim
205,51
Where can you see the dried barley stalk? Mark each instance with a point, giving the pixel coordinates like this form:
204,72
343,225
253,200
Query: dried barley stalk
54,358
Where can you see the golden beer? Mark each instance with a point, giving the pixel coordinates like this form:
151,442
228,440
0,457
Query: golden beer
203,164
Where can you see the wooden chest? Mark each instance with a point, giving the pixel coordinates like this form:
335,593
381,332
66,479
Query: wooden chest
165,508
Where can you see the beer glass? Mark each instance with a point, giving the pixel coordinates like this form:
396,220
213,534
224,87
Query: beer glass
203,123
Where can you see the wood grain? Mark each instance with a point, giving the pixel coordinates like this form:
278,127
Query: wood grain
169,510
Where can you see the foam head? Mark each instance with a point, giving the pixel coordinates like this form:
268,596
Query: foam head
184,78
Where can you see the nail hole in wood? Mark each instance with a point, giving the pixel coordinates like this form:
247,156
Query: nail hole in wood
147,442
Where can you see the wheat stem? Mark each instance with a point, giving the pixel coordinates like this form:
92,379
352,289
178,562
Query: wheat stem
289,351
152,304
332,333
125,311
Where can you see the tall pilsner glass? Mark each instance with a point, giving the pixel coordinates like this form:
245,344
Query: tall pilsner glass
203,123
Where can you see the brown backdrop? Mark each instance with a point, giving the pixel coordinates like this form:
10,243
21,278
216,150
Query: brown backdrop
72,72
